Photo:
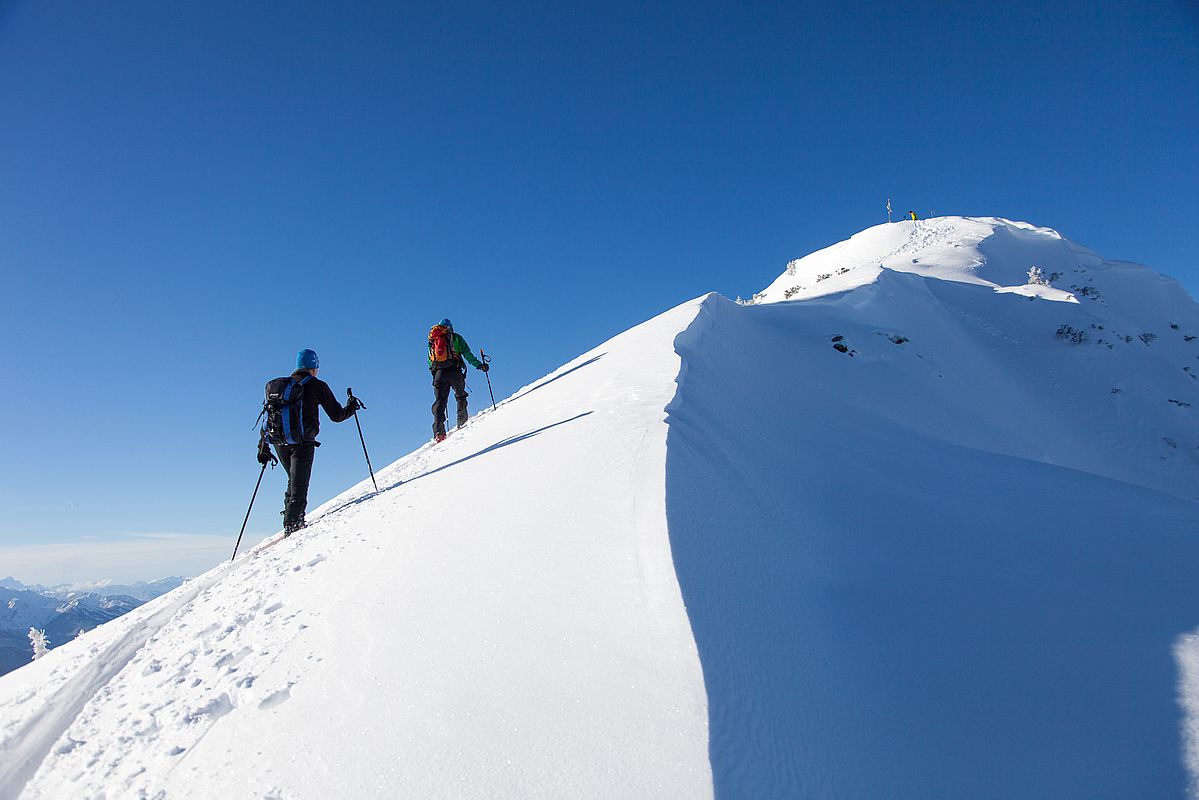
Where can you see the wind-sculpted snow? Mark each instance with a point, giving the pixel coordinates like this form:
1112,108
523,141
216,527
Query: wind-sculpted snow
905,575
935,526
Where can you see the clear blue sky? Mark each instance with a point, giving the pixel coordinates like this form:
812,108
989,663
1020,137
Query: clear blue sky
191,192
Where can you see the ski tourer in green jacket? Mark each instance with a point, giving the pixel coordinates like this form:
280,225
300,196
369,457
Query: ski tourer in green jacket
447,350
458,348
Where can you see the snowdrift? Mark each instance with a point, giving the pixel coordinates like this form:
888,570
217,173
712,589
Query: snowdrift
916,528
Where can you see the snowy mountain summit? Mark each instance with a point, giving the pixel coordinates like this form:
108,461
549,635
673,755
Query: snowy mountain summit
920,520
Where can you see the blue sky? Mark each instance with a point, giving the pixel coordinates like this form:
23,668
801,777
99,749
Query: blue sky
189,193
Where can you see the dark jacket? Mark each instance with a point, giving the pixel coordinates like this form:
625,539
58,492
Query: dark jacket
317,393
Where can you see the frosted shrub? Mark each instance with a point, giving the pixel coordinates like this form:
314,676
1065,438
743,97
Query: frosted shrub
1148,337
794,290
791,266
1036,277
757,298
40,643
1068,333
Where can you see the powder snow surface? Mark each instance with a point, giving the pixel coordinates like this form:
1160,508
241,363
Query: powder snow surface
956,557
502,620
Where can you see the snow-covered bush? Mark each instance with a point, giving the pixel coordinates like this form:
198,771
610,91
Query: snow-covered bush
1148,337
840,345
823,276
1036,277
1071,334
794,290
40,643
791,266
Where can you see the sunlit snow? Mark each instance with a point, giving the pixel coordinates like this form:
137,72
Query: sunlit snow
916,528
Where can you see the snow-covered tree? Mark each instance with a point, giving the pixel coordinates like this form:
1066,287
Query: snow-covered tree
1036,277
791,266
40,643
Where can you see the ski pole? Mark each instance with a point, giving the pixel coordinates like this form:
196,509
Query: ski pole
247,519
358,405
487,360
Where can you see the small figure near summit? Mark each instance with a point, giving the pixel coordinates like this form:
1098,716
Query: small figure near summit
292,425
447,351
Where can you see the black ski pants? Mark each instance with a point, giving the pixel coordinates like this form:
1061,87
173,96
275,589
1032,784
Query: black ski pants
297,463
443,381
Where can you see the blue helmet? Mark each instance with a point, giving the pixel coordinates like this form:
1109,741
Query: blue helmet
447,324
306,359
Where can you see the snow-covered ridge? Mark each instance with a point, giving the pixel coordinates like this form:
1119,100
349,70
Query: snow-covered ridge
502,619
914,536
985,251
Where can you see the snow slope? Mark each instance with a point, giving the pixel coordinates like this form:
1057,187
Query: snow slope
526,636
955,557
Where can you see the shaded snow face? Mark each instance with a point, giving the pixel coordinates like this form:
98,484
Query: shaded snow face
904,566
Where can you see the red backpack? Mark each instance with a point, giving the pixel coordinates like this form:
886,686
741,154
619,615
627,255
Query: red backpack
441,347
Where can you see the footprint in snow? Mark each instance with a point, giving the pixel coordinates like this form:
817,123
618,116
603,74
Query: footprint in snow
276,698
311,563
213,709
232,659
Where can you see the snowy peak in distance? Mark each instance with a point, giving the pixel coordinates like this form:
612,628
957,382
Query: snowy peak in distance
984,251
951,316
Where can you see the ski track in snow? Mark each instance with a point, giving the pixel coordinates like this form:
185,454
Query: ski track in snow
247,665
22,752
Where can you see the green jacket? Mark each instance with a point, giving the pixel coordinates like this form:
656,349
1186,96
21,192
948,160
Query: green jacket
462,349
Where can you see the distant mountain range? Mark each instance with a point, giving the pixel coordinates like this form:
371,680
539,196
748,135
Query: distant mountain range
64,611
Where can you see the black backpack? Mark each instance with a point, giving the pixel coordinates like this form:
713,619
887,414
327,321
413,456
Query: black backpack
284,409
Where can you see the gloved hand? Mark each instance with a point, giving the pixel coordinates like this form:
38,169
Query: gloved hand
353,404
265,456
484,367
